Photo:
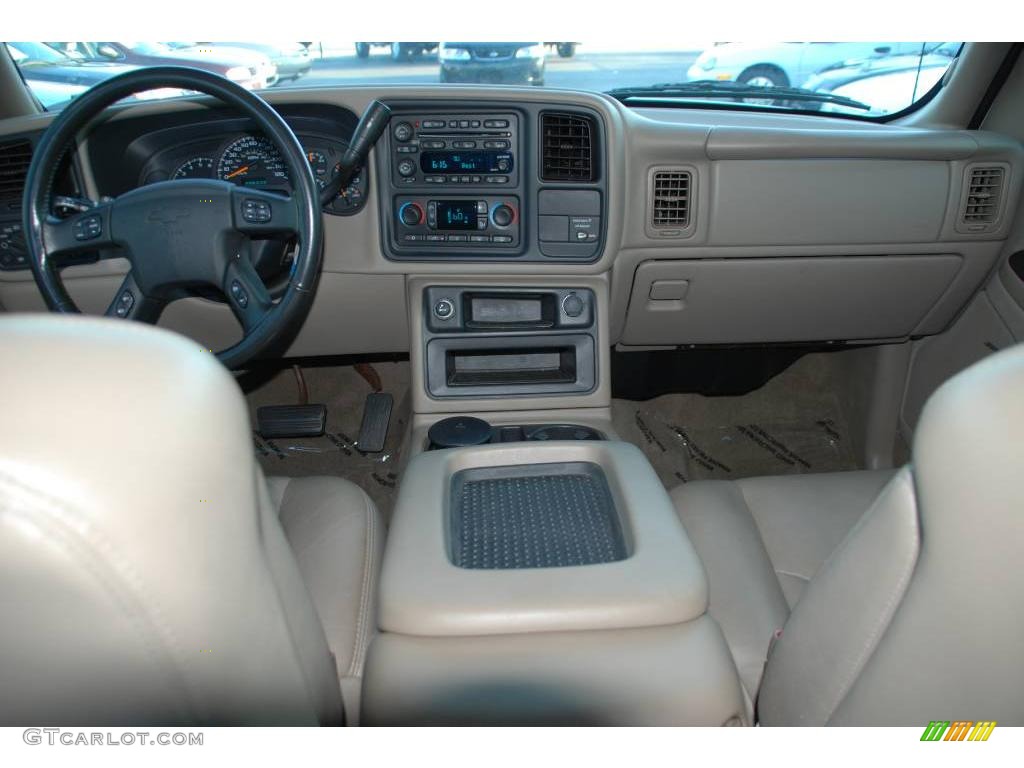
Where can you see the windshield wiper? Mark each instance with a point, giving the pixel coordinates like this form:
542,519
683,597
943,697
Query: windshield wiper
733,90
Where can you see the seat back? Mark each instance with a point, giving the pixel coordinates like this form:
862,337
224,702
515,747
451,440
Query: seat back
919,614
143,571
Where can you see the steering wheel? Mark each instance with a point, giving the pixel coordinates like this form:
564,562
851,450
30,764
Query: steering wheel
181,234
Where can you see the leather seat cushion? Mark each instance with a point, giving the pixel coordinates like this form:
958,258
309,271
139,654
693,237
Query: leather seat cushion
761,540
337,536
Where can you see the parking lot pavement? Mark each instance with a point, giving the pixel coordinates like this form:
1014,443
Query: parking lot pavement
596,71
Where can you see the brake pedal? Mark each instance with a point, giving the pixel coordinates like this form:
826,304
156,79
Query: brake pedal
291,420
376,417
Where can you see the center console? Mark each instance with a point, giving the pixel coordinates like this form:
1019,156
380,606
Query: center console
544,583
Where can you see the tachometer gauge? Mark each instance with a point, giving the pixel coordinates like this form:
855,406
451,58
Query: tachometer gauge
195,168
321,168
253,161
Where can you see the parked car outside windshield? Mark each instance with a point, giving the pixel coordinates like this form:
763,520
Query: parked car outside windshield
747,76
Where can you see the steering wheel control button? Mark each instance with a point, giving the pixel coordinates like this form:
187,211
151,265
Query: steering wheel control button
255,211
239,295
88,228
125,302
573,305
444,309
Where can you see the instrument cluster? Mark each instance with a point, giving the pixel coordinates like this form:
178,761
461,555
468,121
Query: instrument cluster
252,160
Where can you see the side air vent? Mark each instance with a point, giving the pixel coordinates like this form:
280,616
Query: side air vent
568,147
15,157
984,191
983,197
670,202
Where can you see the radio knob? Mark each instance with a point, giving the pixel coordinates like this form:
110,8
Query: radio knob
444,309
403,132
503,165
502,215
406,168
410,214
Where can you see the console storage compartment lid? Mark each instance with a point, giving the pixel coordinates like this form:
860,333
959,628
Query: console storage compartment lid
649,575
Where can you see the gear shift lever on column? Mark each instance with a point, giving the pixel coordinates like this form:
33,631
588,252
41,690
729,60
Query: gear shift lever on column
371,126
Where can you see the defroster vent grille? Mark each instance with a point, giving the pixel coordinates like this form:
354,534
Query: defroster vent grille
568,147
671,200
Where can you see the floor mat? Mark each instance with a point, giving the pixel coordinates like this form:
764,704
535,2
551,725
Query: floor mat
791,425
337,452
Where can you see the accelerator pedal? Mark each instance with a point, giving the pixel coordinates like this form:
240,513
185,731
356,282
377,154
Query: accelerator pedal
376,417
291,420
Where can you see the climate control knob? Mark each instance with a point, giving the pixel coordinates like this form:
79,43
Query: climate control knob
410,214
502,215
406,168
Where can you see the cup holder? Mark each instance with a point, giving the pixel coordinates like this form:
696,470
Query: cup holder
462,431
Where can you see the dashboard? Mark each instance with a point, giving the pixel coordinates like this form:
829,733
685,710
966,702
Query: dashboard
698,227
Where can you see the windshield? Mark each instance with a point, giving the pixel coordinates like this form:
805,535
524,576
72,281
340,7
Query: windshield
863,79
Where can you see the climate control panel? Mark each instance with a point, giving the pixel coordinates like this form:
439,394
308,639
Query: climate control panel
457,222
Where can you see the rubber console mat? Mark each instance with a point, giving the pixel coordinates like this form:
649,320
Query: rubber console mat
792,425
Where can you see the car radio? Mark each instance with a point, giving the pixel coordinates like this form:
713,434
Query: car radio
449,149
459,222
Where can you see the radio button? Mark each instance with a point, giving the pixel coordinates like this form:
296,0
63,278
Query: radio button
477,179
403,132
412,238
434,179
464,144
501,239
481,206
497,179
433,123
406,168
495,123
436,238
464,179
453,180
432,144
457,238
496,145
474,123
479,238
463,123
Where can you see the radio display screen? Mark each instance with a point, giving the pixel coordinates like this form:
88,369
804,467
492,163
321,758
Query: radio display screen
456,215
465,162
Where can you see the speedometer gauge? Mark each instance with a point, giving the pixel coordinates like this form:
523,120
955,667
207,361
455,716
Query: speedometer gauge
252,161
195,168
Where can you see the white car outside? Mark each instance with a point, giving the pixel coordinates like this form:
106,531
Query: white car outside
783,64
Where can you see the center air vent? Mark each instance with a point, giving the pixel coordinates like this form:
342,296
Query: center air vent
983,198
568,152
15,157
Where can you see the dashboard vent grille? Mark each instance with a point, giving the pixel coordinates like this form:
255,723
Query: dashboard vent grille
984,191
568,147
671,201
15,157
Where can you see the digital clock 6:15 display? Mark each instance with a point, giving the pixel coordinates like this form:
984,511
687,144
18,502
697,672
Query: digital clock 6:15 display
465,162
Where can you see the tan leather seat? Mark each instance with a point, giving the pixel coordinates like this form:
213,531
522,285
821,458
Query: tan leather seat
898,594
148,571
